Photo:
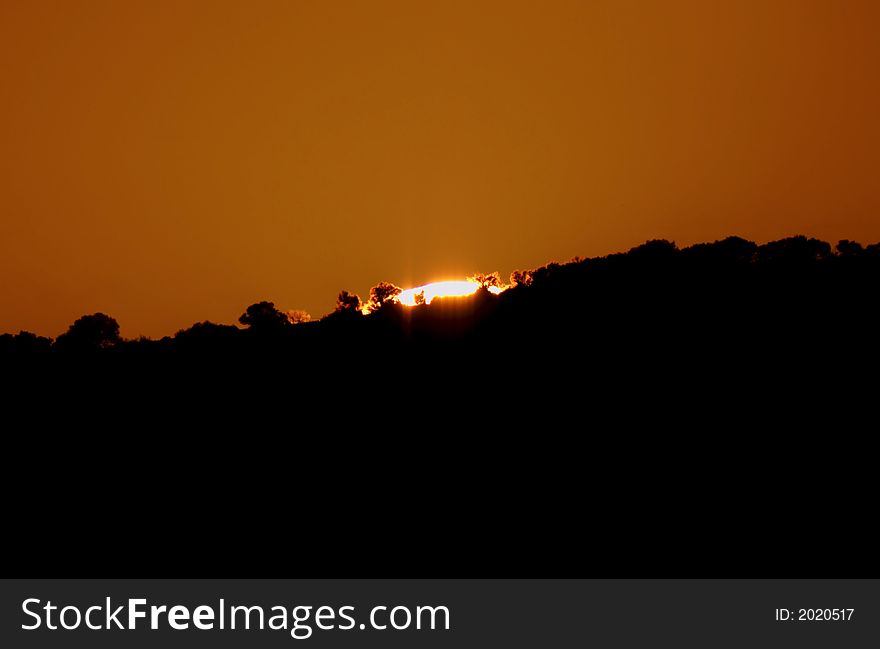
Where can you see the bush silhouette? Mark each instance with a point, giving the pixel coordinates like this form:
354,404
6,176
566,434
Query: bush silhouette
90,333
264,317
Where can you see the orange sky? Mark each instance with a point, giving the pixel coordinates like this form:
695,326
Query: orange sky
175,161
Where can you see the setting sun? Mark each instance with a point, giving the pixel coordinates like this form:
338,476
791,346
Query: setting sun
459,288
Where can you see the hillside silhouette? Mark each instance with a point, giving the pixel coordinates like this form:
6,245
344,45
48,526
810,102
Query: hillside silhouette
661,394
650,279
706,322
776,295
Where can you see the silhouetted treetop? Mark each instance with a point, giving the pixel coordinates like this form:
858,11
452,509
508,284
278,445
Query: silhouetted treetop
794,251
848,248
206,335
383,293
348,302
24,342
487,280
732,250
263,316
653,251
298,316
89,333
521,277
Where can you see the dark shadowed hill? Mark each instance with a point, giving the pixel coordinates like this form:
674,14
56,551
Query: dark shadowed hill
727,326
785,316
664,403
771,333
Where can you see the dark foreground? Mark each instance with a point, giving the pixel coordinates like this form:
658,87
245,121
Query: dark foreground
707,408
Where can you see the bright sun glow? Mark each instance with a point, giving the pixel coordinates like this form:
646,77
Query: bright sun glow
442,289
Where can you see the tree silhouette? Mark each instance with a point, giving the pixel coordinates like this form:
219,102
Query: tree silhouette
264,317
381,294
348,302
89,333
206,335
521,277
732,250
848,248
653,251
298,316
794,252
487,280
24,342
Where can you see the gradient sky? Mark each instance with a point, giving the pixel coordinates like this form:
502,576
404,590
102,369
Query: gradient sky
173,161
